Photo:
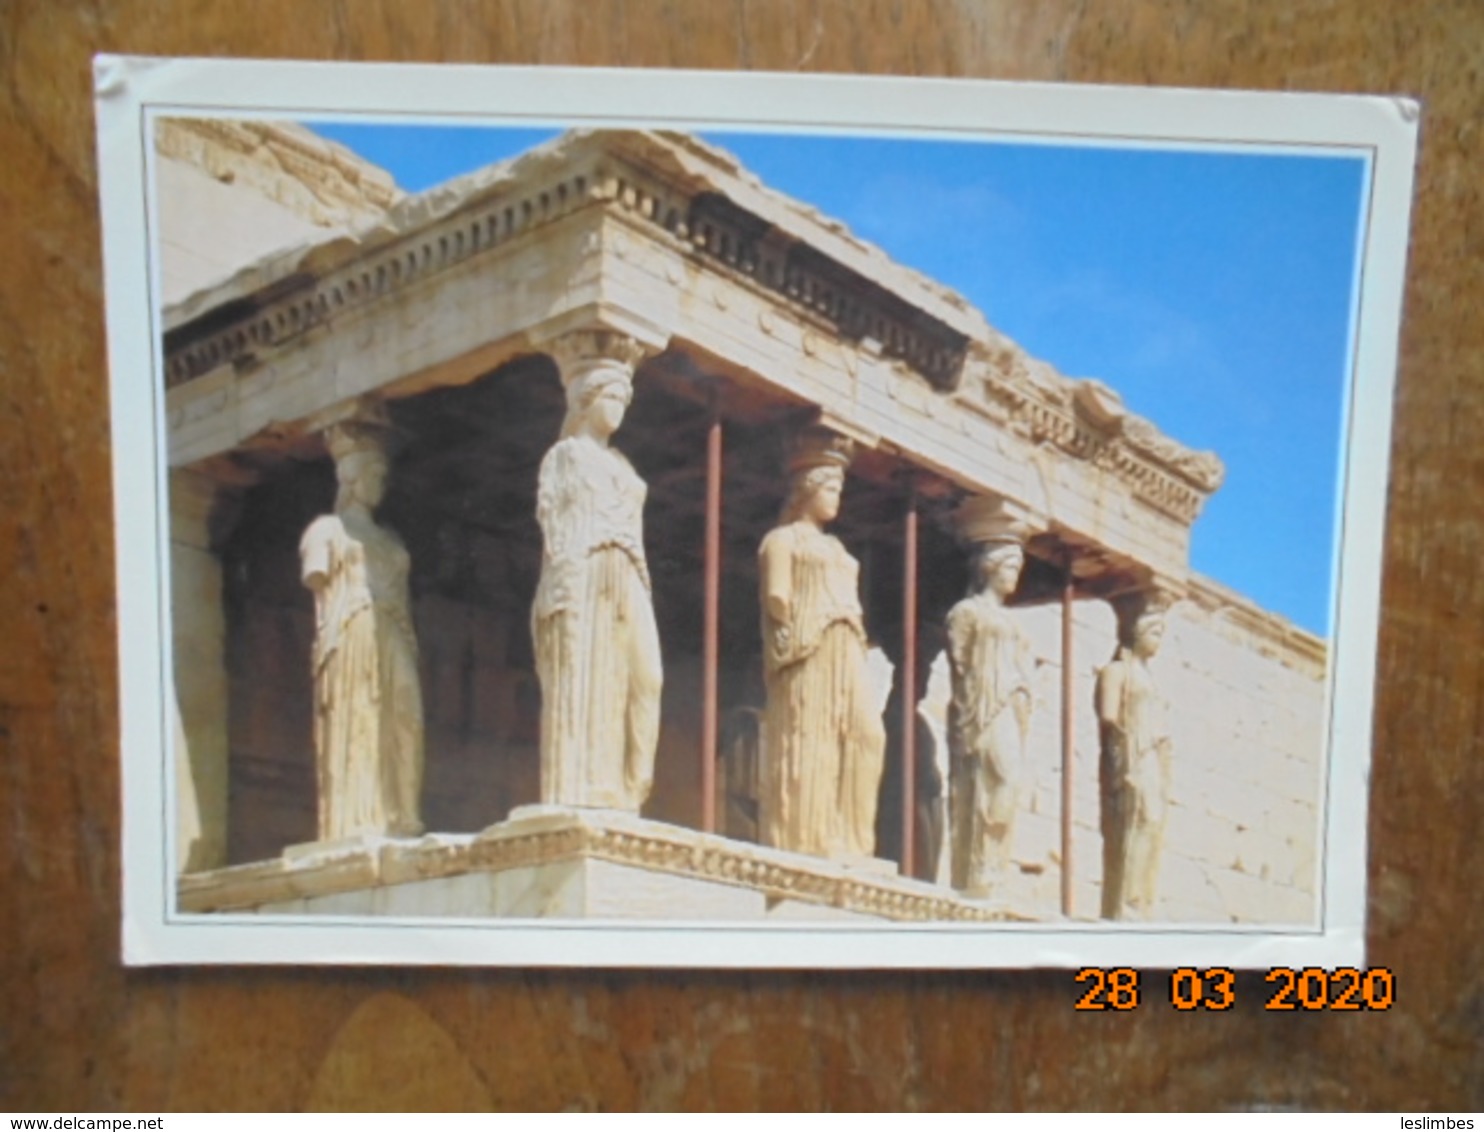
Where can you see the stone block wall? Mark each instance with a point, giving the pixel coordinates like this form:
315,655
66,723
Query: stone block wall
1247,694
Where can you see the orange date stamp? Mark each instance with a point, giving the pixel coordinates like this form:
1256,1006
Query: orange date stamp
1214,989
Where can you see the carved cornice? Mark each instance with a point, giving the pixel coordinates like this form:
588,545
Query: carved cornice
1088,420
853,306
720,212
704,223
300,299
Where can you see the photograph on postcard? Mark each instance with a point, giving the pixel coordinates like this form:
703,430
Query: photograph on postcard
727,526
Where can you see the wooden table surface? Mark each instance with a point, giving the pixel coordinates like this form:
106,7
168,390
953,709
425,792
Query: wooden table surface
79,1033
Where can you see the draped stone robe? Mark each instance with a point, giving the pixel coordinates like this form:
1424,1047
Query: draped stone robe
597,646
1134,778
824,744
368,709
988,717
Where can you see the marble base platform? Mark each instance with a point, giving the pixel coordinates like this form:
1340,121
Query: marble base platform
564,863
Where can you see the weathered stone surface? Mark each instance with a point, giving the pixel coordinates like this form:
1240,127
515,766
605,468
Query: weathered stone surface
1135,759
822,740
618,222
988,715
1247,768
89,1034
623,228
555,862
302,190
368,704
597,648
199,643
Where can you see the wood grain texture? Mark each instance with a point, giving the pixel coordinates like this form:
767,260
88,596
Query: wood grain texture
77,1032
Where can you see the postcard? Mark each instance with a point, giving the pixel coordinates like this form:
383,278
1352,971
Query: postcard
605,518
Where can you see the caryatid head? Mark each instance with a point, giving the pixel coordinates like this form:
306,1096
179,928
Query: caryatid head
817,476
998,565
996,530
360,451
1141,623
597,369
597,399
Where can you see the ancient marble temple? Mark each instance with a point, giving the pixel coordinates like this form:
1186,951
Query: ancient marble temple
721,567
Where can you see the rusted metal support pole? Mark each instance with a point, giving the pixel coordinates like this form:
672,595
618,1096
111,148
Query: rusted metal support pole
1068,741
711,631
909,684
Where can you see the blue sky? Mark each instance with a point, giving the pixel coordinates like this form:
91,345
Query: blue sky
1211,289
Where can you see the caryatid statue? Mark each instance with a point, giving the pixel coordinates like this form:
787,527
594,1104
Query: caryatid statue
823,741
1134,770
597,646
368,706
990,709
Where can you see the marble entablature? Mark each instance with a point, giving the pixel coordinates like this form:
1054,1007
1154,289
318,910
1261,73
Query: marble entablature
871,315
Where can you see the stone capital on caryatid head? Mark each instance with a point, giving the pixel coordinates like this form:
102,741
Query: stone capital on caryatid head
818,446
591,359
591,350
987,521
818,457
